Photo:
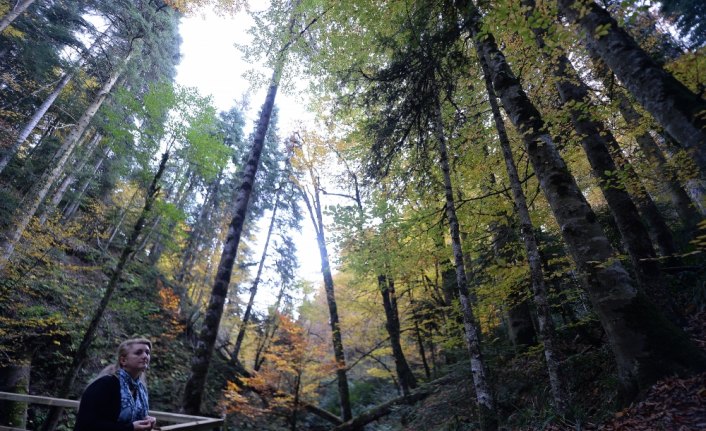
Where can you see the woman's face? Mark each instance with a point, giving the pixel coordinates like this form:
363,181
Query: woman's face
136,360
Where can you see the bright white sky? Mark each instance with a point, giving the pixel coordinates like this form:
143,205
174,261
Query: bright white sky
211,63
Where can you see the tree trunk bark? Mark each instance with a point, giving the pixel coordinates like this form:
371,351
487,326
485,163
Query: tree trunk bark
70,210
254,286
48,130
121,219
681,201
82,352
210,203
519,319
484,396
318,224
14,378
39,190
685,207
596,141
142,246
295,406
44,107
520,326
270,328
694,186
547,331
697,192
419,337
392,325
386,286
69,178
158,244
32,123
193,391
646,346
672,104
14,13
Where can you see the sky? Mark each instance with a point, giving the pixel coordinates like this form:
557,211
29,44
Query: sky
211,63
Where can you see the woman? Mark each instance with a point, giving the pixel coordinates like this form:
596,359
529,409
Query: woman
117,399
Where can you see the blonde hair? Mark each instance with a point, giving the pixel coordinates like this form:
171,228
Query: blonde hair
123,350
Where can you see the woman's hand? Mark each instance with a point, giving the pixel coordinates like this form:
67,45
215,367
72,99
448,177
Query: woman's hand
144,424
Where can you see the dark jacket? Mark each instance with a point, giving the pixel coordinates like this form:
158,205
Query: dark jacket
100,407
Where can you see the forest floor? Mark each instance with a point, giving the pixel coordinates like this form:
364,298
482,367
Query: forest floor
671,404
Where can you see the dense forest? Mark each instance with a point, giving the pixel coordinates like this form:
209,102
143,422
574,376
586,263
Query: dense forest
507,199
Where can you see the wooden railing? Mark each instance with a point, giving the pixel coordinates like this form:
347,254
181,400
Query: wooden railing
182,422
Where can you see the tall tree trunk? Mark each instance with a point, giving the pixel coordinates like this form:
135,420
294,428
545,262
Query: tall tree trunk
519,326
88,336
671,103
48,130
21,6
386,286
270,328
209,204
484,396
688,213
39,190
32,123
44,107
69,179
422,350
596,141
295,404
121,219
419,336
71,208
657,227
686,208
392,325
646,346
318,224
695,187
253,288
547,331
193,391
158,245
14,377
142,246
697,192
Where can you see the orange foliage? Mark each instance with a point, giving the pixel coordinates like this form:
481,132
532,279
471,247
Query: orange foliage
292,367
171,304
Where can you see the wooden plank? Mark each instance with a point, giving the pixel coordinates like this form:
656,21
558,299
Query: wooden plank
2,428
36,399
177,417
199,425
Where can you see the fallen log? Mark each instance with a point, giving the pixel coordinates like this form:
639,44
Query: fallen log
380,411
323,414
385,408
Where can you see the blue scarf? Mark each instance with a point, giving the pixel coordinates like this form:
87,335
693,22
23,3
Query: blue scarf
132,409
